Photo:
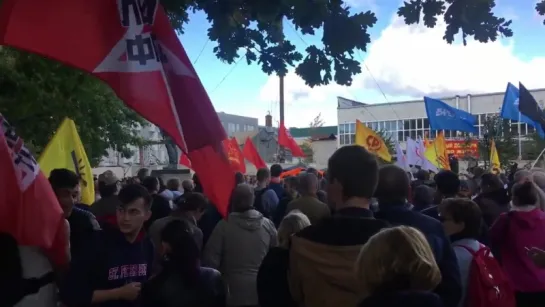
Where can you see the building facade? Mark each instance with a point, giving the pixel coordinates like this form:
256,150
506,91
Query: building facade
157,154
401,120
235,123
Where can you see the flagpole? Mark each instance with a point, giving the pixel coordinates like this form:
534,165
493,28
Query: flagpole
520,139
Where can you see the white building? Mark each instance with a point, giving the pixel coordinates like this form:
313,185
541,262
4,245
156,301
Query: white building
408,118
156,154
150,155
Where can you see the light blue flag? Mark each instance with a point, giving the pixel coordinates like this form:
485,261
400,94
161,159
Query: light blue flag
444,117
510,109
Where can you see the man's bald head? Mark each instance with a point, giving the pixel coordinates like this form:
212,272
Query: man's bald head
393,185
308,184
243,198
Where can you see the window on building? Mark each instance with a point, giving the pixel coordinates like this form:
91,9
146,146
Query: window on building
231,128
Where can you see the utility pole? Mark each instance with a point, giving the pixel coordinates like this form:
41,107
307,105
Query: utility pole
282,152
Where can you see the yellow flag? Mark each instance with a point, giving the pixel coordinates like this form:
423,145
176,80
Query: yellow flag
436,152
372,141
494,158
65,150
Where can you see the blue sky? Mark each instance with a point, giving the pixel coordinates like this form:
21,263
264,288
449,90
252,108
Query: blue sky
406,62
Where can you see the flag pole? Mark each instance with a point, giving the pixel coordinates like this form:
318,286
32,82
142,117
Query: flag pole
520,139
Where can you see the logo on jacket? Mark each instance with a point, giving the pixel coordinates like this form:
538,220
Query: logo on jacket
125,271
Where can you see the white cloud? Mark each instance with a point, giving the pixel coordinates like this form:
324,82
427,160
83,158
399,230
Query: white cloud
413,61
416,61
303,103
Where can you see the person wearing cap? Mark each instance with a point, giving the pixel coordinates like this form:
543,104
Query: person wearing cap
104,209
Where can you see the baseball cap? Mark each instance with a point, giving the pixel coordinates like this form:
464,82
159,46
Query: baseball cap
108,178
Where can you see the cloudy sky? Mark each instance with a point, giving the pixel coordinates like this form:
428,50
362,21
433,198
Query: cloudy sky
406,62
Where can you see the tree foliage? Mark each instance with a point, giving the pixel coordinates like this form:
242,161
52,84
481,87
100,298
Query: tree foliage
37,94
497,129
252,30
387,137
317,121
308,151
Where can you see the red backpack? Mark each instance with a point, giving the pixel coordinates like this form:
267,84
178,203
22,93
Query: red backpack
487,284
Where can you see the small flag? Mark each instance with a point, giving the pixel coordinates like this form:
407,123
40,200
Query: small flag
494,158
401,158
285,139
235,155
444,117
371,141
65,150
251,154
437,153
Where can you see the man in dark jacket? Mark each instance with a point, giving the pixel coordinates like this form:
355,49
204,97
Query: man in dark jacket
83,224
392,193
117,262
337,240
104,208
448,186
275,183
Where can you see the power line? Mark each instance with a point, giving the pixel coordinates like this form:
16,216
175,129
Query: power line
200,52
378,86
227,75
349,89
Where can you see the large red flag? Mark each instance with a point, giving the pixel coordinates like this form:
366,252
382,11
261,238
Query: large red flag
251,154
29,209
286,140
235,155
131,45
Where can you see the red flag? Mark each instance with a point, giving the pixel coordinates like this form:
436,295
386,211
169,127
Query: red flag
251,154
184,160
131,45
285,139
236,159
29,210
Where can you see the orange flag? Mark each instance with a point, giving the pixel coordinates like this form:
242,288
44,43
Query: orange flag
236,159
251,154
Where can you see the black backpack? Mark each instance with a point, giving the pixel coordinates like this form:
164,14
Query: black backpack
16,287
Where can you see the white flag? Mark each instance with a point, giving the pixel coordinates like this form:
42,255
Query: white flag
401,159
414,157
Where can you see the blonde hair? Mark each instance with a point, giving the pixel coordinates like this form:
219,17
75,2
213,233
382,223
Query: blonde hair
397,259
292,223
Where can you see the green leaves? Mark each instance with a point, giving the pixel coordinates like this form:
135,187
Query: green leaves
254,27
37,94
498,129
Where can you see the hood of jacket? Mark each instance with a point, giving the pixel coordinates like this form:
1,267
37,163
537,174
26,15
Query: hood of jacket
403,299
250,220
530,220
329,270
499,196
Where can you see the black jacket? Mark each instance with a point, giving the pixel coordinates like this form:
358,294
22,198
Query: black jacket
402,299
272,282
450,288
168,289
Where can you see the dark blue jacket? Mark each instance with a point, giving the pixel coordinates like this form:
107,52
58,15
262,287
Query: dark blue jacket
108,263
450,288
278,188
402,299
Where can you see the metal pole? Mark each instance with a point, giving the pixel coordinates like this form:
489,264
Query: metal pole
520,139
281,90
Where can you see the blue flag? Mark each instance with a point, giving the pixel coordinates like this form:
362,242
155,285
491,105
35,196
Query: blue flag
444,117
510,109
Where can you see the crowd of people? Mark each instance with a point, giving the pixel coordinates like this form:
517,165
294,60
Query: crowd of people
362,235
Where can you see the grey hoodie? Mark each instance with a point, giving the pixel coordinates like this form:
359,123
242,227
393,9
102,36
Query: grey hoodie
236,248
